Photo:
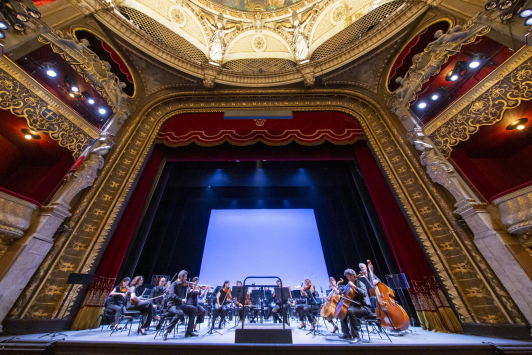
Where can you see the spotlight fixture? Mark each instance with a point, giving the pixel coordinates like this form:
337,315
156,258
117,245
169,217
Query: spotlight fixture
32,9
90,101
18,10
2,34
12,19
102,111
86,97
422,105
4,24
435,97
506,4
475,62
438,94
517,124
526,10
491,4
72,95
459,70
29,134
528,21
50,69
74,88
506,16
70,84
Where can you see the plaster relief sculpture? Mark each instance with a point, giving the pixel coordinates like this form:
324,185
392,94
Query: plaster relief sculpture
217,43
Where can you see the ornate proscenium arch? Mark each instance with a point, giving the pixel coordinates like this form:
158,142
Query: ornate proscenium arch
475,293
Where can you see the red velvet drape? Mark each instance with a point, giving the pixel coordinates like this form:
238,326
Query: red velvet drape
481,182
116,249
45,186
433,309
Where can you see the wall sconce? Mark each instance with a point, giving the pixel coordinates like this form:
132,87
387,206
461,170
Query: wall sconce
517,124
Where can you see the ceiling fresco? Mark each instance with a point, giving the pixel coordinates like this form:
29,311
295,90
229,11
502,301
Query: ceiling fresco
256,5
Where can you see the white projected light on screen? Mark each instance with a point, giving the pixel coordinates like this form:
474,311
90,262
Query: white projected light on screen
269,242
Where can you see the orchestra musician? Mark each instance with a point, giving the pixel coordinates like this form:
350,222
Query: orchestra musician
305,310
157,292
118,297
177,305
195,293
135,304
221,306
360,307
279,306
333,286
365,278
242,309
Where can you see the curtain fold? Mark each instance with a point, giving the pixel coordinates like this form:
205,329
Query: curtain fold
481,182
432,307
109,266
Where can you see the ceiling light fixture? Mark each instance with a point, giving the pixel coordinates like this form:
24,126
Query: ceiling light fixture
50,69
29,134
459,70
102,111
517,124
506,4
528,21
526,10
4,24
491,4
422,105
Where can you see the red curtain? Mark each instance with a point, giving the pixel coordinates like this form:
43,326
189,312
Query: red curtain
46,185
481,182
116,250
432,307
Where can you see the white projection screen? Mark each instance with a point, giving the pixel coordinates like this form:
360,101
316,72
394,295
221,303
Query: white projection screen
263,242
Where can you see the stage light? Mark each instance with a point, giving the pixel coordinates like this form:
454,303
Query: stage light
490,5
90,101
9,17
51,73
29,134
4,24
505,4
20,12
438,93
526,10
459,70
32,9
102,111
50,69
85,95
422,105
435,97
72,95
506,16
75,88
2,34
517,124
528,21
475,62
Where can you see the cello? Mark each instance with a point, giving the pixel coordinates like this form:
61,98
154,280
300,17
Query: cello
393,316
328,309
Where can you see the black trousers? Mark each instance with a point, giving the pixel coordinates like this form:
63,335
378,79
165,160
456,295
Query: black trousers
219,312
201,314
353,312
146,308
243,312
119,310
277,309
179,314
305,310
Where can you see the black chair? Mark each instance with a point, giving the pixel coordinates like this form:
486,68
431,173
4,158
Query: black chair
130,316
375,323
107,316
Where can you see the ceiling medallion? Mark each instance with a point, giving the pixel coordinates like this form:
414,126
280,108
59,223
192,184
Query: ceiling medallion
177,16
258,43
338,14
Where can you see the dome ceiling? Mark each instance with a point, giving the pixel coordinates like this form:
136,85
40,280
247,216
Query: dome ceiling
256,42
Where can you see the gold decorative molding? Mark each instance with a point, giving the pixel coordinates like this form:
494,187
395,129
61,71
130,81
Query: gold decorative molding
165,54
476,298
485,103
516,212
24,97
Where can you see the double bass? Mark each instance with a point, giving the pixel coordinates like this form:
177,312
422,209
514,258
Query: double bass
328,309
393,316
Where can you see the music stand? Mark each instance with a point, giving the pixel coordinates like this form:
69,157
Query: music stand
215,294
399,282
73,279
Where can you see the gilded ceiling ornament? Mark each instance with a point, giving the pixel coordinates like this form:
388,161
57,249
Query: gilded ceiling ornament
177,16
217,43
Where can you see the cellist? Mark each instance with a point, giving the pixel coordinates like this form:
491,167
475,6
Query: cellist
359,308
365,278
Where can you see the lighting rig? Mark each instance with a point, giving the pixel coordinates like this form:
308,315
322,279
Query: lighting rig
14,13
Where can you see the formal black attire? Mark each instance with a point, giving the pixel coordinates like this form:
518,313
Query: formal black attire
157,292
176,295
145,307
224,302
280,307
306,309
117,304
369,286
359,308
192,300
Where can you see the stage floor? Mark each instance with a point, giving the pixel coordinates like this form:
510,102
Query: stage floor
416,337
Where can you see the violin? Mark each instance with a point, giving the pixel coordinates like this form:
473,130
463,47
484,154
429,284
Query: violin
124,289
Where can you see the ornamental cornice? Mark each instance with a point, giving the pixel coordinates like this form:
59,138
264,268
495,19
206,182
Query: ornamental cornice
488,82
53,102
165,54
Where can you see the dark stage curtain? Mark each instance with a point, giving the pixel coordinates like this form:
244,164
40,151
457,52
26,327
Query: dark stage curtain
433,309
114,254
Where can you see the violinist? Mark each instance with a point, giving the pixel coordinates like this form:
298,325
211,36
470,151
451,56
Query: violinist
279,306
305,310
135,304
193,295
157,292
177,305
117,301
359,308
221,304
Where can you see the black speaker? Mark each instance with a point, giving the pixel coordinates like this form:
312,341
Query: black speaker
263,336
